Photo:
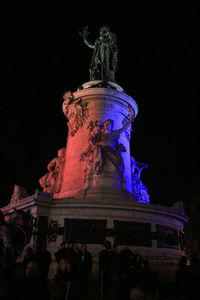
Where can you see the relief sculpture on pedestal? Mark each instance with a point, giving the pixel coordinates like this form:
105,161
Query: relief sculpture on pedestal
138,187
51,182
76,112
103,155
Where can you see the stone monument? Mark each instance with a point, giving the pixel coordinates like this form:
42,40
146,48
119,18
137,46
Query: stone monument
93,191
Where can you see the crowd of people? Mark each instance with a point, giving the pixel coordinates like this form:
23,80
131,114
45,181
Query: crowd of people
120,270
28,279
187,279
123,275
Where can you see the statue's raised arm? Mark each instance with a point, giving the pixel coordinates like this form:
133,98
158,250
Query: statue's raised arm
85,34
130,120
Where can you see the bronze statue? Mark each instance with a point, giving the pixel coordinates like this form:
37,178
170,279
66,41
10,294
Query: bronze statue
104,60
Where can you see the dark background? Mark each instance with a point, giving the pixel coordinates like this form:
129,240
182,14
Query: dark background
42,56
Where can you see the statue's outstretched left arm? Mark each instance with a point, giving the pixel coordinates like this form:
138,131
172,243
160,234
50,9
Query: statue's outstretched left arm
131,118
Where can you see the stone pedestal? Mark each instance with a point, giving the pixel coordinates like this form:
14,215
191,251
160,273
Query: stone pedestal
100,104
155,232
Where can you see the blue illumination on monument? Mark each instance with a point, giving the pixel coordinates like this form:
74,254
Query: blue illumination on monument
138,188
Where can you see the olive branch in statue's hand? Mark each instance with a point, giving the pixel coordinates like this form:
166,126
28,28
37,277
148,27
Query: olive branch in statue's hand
85,32
129,108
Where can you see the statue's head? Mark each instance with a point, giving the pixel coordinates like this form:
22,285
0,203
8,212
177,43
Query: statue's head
108,125
104,31
61,152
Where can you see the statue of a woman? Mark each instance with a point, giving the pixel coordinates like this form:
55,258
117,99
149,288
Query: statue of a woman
104,60
105,157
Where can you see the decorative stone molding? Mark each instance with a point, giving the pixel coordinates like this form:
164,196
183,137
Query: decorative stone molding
53,231
101,83
76,112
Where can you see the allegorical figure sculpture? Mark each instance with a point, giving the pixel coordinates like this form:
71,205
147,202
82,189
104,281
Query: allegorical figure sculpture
104,60
51,181
103,156
138,187
76,112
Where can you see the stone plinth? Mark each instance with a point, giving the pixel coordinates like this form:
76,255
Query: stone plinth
155,232
96,104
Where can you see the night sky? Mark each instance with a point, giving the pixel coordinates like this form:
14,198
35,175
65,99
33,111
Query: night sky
42,56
